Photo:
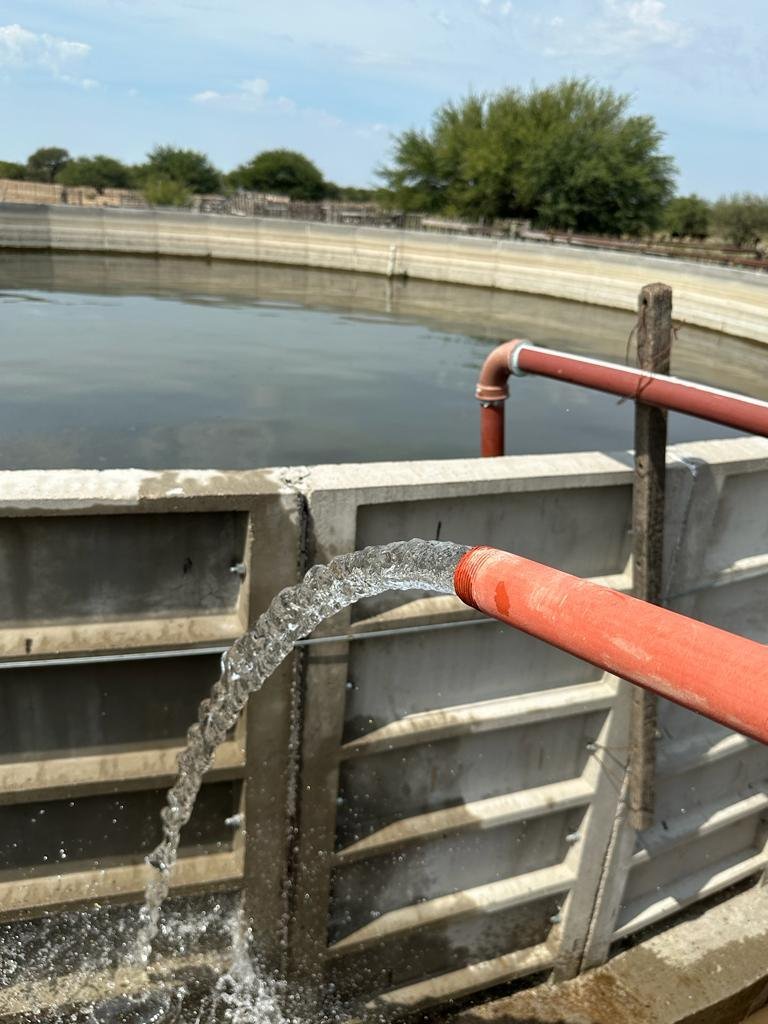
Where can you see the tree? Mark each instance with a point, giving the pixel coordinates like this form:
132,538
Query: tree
687,217
9,169
187,167
99,172
281,171
44,164
166,192
742,218
567,156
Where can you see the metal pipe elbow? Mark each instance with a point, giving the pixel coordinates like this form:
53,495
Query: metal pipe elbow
492,384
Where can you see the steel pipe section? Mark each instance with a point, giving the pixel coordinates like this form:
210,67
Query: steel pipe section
519,358
708,670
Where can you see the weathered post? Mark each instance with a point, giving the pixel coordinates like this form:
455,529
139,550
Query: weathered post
654,343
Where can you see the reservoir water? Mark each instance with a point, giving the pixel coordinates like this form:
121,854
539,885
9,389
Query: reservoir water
113,362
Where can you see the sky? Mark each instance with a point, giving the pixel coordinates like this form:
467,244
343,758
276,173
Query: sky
337,79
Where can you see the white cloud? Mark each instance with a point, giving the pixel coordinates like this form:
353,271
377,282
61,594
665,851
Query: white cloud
373,130
207,96
258,87
253,95
253,92
623,27
20,48
645,21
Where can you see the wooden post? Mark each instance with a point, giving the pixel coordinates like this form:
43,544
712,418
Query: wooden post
654,343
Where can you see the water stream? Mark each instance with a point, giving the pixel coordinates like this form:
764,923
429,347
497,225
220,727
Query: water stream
293,613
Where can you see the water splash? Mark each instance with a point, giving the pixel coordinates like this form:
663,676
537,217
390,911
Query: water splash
294,613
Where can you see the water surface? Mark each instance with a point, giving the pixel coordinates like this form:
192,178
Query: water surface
162,363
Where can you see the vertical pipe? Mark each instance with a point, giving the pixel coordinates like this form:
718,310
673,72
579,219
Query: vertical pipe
654,341
492,429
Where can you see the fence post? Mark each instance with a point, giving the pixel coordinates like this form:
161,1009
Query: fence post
654,343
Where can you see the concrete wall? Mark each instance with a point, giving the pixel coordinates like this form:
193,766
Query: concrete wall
726,300
456,788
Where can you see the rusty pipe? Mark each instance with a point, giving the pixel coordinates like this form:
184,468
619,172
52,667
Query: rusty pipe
492,391
520,357
706,669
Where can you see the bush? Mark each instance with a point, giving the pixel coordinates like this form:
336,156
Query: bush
186,167
99,172
166,192
283,172
741,219
687,217
9,169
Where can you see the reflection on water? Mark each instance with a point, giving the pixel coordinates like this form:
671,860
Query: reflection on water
160,363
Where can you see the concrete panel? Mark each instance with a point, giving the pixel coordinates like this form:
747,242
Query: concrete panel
442,949
364,890
740,528
384,787
702,853
54,836
68,708
136,566
396,676
706,782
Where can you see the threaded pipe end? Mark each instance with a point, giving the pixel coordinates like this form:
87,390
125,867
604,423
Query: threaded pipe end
467,569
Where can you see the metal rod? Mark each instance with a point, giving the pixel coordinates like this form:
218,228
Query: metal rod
185,652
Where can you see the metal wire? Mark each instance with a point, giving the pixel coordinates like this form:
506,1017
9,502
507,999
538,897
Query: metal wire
95,659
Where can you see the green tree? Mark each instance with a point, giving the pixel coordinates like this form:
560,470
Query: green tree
687,217
741,219
187,167
350,193
9,169
45,164
166,192
283,172
97,171
567,156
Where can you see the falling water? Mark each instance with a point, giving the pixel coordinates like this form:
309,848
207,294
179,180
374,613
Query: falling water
294,612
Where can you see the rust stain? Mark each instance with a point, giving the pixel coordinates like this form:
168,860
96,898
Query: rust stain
502,598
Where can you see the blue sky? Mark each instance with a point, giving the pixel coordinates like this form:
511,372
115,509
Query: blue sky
336,79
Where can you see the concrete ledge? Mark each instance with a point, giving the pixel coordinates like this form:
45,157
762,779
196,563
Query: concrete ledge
729,300
711,970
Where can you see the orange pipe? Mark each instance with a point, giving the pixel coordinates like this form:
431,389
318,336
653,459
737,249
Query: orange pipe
731,410
492,391
708,670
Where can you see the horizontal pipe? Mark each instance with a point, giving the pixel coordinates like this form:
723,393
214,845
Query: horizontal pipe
707,403
708,670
